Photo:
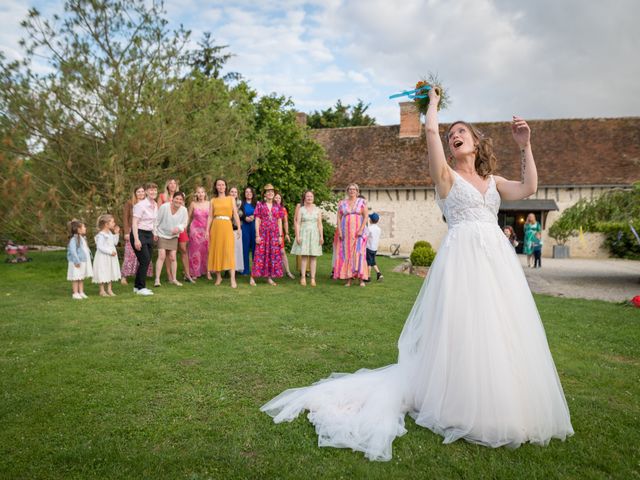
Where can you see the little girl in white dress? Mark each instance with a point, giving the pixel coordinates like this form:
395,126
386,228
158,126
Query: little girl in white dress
106,268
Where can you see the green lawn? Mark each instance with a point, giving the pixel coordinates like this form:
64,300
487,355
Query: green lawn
170,386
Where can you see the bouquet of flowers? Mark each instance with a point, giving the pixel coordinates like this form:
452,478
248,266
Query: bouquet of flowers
422,97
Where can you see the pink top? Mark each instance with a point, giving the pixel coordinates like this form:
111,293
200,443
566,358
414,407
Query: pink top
145,211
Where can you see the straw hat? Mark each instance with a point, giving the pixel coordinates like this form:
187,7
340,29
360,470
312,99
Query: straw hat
268,186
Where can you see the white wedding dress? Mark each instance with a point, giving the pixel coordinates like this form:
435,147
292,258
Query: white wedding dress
473,360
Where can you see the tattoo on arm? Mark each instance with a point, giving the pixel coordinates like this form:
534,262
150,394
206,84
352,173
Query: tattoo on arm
523,160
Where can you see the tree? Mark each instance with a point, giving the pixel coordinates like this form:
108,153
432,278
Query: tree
291,160
113,109
209,59
341,116
613,213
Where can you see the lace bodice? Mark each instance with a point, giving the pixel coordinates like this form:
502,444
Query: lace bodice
465,203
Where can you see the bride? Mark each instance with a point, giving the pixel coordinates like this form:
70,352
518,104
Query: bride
473,359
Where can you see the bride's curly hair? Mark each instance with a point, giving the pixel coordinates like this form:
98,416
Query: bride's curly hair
486,160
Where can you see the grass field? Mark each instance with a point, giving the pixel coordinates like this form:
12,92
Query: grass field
169,386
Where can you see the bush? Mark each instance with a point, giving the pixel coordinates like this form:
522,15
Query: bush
328,230
422,243
422,256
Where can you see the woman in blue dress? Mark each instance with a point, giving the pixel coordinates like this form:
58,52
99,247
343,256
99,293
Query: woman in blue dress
248,228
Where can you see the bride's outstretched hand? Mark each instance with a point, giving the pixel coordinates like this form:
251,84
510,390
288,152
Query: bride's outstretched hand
434,95
520,131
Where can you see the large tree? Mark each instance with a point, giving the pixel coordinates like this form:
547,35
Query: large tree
113,100
341,116
290,159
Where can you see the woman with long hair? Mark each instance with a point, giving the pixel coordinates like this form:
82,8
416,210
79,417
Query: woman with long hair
473,360
198,243
248,228
130,262
220,233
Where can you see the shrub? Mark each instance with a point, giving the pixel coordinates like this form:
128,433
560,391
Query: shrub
422,243
422,256
328,230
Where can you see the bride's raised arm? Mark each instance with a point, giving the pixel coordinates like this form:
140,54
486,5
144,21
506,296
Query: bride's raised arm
528,184
438,169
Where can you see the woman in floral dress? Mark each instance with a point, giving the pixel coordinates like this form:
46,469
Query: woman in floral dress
267,260
351,253
198,243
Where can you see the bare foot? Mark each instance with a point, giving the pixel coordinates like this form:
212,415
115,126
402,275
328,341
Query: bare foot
111,294
252,282
303,282
291,275
271,282
313,282
234,285
123,281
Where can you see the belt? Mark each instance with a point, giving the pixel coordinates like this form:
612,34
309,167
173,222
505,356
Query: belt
221,217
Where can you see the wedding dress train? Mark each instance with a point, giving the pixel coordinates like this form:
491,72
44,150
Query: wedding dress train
473,359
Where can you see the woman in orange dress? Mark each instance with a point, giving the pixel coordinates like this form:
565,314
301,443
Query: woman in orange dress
220,233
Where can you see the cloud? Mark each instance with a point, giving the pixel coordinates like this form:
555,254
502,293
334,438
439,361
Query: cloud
542,59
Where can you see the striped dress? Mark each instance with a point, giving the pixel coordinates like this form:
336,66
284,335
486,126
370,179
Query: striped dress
351,251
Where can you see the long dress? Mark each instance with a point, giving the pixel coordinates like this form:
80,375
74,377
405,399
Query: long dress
198,243
267,260
530,230
309,234
473,359
221,241
238,254
248,237
351,254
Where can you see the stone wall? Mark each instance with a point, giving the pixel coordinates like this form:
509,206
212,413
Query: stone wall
409,215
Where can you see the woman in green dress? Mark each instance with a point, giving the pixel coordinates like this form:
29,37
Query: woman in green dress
531,226
309,236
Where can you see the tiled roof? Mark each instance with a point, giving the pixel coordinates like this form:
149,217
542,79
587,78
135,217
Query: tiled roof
567,152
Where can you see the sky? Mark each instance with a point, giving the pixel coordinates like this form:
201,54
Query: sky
539,59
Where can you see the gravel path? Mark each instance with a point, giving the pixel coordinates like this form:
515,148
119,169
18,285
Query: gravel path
612,280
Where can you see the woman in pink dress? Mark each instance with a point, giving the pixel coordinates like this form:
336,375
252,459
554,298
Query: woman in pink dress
351,253
267,260
198,243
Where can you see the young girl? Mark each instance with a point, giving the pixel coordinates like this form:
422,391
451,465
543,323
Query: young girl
79,257
105,264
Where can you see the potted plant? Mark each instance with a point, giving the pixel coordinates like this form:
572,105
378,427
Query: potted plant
560,232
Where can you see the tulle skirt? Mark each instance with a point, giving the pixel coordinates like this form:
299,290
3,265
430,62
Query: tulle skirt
473,362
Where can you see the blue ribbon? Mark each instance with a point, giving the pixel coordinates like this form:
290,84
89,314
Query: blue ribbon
413,93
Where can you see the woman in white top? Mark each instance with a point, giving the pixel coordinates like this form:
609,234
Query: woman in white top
172,219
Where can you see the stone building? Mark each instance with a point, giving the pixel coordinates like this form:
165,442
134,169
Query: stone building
575,159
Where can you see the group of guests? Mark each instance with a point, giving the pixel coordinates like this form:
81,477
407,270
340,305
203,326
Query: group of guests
224,234
532,247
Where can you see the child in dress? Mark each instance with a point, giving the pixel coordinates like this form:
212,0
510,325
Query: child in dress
537,250
106,268
79,258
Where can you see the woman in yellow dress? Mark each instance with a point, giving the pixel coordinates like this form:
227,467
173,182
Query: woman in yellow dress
220,233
